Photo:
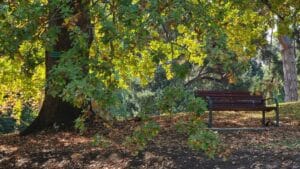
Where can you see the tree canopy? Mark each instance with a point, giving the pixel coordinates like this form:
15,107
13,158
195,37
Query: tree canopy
131,38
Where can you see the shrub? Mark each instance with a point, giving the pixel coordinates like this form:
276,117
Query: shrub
80,124
204,140
27,116
7,124
99,140
199,138
141,136
170,99
177,98
16,118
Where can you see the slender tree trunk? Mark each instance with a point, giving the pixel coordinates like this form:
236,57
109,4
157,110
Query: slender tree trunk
54,110
289,69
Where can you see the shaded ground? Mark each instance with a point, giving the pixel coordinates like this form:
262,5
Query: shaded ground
270,148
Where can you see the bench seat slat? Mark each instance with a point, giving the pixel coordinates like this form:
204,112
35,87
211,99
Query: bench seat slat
242,108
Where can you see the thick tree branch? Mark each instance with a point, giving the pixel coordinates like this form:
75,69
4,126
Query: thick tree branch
270,7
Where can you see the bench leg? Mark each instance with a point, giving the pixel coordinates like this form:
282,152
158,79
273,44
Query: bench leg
210,119
263,118
277,117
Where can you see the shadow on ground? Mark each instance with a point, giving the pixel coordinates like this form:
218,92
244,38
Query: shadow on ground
270,148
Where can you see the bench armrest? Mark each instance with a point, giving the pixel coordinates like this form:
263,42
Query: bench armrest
274,99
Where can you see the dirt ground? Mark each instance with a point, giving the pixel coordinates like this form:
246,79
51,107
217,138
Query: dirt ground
273,147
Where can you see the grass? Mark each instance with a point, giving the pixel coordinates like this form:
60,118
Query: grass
291,109
288,143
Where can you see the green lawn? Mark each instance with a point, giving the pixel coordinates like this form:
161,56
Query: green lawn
290,109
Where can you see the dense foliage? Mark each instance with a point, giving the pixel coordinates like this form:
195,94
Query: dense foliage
131,39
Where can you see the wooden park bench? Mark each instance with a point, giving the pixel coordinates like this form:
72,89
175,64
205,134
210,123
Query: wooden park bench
236,101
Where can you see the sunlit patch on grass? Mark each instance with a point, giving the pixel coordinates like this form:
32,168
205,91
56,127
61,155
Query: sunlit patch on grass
240,118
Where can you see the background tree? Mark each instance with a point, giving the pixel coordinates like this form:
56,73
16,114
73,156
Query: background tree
286,15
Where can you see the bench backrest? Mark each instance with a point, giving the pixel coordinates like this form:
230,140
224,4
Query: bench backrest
231,100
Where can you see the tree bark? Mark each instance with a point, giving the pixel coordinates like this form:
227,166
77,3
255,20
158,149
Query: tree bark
54,110
289,69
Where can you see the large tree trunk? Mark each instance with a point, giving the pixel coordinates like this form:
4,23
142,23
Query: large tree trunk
289,69
54,110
